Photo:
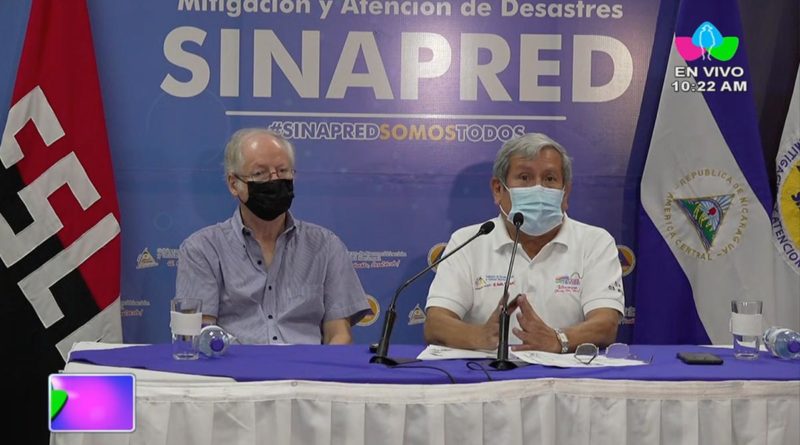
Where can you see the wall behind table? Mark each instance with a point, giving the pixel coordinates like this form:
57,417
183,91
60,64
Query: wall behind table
394,128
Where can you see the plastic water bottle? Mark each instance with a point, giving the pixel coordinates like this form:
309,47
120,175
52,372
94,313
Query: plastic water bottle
783,343
213,341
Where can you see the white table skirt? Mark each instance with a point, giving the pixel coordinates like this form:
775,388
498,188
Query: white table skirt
542,411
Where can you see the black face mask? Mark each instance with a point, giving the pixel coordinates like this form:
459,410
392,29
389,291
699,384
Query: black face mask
269,200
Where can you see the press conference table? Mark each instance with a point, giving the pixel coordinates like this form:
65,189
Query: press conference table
333,395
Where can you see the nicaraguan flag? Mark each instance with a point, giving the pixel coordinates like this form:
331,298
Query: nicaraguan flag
704,235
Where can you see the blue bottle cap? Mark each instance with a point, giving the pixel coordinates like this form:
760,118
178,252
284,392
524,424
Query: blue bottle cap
217,344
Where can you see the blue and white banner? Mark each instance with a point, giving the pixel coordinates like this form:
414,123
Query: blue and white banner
396,108
786,215
705,234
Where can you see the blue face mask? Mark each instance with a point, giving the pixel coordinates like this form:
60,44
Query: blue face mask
540,208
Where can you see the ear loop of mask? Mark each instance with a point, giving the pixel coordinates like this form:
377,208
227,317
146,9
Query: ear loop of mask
509,196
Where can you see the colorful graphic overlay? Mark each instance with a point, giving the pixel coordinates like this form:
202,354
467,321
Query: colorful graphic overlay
705,43
92,402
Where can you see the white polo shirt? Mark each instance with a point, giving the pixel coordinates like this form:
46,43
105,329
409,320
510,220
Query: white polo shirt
575,273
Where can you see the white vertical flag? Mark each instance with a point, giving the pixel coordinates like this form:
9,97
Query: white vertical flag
786,216
705,235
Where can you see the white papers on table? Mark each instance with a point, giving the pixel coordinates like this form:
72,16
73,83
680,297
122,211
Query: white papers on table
569,360
437,352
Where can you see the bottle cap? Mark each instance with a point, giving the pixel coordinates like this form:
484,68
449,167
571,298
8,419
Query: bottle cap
217,344
794,346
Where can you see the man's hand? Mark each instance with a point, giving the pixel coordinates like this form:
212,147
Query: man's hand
535,334
444,327
489,332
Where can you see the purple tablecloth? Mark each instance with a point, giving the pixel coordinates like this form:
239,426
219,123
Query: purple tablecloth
350,364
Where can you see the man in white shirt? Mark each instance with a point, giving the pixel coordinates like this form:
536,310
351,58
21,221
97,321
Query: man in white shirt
567,273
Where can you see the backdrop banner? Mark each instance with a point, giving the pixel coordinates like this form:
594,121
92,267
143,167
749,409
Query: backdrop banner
396,109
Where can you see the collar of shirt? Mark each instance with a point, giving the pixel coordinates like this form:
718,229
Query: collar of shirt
502,239
240,230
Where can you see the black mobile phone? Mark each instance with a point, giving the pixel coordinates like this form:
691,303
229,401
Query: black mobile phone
699,358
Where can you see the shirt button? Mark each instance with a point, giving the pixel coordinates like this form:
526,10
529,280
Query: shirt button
269,316
259,262
269,287
274,337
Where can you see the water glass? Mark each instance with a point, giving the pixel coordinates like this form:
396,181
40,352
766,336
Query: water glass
185,321
746,328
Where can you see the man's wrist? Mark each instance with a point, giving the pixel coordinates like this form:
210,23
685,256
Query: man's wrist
482,338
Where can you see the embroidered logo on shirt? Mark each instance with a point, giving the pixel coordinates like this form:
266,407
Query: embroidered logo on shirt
491,281
416,316
571,283
615,286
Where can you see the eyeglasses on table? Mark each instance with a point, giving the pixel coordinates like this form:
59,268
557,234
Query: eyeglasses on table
587,352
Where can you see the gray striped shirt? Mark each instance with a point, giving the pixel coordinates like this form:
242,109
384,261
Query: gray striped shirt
311,280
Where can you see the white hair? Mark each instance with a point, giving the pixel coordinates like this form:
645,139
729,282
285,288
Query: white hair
233,149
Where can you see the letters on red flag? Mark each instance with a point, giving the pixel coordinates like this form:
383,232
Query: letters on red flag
59,229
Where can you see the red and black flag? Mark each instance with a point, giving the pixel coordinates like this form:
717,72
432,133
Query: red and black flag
59,217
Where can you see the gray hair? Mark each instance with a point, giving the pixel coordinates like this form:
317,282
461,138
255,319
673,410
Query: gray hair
528,146
233,149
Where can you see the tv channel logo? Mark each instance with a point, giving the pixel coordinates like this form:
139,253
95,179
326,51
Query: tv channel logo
92,402
705,43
